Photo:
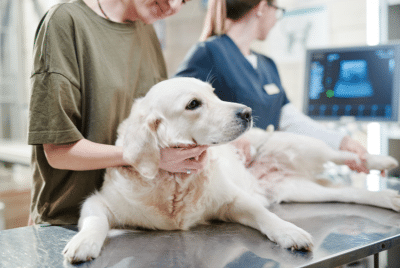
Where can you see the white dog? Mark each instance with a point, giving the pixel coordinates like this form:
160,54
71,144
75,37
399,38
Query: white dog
186,111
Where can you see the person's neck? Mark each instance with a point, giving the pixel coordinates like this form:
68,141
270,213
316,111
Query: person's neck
121,11
243,33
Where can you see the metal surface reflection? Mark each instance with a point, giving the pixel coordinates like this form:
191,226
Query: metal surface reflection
342,233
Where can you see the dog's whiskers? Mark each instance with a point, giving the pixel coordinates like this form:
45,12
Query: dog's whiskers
210,78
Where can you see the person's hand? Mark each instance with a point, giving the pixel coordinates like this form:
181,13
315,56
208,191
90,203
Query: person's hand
184,159
348,144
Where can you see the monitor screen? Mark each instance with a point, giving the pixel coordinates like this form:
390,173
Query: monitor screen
360,82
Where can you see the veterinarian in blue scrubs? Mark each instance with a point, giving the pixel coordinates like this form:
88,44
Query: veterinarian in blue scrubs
92,59
223,58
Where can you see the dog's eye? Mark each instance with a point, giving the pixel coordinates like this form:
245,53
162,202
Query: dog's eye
193,104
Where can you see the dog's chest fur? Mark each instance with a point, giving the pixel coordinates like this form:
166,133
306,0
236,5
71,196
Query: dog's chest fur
169,201
176,195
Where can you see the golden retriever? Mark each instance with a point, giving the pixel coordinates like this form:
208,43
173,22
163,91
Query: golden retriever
237,184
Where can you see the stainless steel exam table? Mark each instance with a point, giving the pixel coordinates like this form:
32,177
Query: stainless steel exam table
342,233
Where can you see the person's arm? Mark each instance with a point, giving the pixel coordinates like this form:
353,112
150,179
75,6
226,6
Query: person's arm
351,145
87,155
292,120
83,155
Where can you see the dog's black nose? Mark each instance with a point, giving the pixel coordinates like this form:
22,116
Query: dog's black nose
245,114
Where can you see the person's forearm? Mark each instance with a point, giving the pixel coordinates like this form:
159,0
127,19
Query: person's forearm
292,120
83,155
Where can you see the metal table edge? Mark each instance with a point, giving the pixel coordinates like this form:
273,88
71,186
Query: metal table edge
361,252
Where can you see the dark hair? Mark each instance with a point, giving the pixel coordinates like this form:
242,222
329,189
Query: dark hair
219,10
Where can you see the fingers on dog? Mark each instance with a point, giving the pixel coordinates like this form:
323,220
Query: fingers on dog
192,164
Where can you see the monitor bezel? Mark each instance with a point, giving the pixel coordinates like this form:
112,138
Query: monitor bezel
395,88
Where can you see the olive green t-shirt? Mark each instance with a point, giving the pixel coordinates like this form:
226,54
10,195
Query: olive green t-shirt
87,72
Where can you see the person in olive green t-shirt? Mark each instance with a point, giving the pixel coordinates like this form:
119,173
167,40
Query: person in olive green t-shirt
92,59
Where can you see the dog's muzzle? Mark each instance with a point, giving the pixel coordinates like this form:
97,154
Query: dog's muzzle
245,116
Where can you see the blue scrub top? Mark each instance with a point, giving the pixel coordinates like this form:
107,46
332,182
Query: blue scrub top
220,62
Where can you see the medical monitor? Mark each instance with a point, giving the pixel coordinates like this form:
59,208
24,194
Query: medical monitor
359,82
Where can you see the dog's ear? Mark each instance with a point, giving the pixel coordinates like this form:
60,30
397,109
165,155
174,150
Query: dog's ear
140,143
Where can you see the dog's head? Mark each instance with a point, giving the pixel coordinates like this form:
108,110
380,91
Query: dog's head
179,111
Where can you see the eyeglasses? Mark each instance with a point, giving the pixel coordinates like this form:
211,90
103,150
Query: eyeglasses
280,12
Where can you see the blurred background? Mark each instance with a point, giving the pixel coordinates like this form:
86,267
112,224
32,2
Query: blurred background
308,24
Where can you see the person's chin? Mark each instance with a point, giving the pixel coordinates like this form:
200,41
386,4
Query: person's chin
263,36
151,19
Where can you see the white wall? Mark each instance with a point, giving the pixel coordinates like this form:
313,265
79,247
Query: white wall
346,27
183,31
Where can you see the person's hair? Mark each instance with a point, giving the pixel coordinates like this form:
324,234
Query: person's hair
220,10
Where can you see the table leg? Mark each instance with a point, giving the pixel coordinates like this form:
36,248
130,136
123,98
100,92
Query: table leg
376,260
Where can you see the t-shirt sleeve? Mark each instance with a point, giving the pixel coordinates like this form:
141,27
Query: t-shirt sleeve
55,104
54,112
197,64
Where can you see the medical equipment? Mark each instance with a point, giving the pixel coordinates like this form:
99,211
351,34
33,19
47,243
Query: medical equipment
359,82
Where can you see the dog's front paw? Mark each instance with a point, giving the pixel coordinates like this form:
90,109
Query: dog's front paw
83,247
288,235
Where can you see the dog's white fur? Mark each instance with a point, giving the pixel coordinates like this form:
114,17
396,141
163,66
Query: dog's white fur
145,196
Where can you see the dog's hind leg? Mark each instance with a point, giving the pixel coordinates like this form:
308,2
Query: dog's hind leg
250,212
301,190
381,162
93,228
378,162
